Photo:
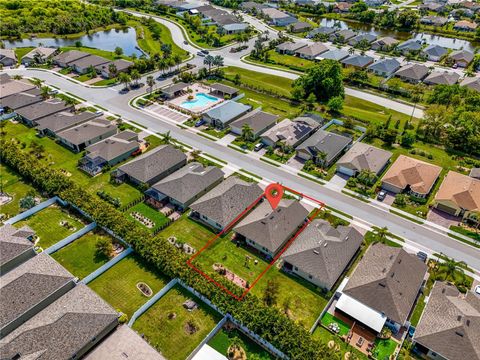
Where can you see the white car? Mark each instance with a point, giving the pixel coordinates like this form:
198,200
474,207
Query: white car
477,289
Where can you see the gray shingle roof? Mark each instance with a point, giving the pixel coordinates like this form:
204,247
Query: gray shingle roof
358,60
29,284
13,242
312,50
335,54
450,324
114,146
272,228
442,77
385,65
410,45
291,131
155,162
472,83
8,86
462,55
413,71
368,37
362,156
322,30
62,329
227,111
42,109
70,56
120,65
171,89
17,101
435,50
224,88
87,61
324,141
257,120
324,251
185,184
226,201
290,46
387,279
87,131
64,120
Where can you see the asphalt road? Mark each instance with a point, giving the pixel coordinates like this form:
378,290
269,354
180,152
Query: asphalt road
119,104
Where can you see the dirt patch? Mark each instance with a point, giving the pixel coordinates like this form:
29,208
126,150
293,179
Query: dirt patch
190,327
172,316
236,352
229,275
144,289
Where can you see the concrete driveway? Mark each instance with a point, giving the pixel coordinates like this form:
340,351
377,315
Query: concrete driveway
443,219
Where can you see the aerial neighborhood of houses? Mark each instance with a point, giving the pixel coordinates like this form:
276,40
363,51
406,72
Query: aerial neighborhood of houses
201,195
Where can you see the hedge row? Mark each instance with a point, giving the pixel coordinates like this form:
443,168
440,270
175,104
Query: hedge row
291,338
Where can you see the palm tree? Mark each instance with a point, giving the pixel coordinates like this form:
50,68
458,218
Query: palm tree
166,137
208,61
124,78
162,65
322,156
150,82
112,70
218,61
177,59
247,132
135,75
37,82
351,51
69,101
380,234
449,268
45,92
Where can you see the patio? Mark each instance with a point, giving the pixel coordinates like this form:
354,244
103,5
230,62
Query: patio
190,95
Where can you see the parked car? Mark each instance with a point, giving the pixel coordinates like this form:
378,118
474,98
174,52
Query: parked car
185,42
200,53
200,123
477,289
422,256
205,51
258,147
381,195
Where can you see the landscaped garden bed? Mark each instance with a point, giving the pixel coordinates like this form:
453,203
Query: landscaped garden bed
171,328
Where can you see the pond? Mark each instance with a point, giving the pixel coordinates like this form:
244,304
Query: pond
105,40
430,39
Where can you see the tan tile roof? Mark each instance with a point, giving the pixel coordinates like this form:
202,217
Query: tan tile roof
463,190
409,171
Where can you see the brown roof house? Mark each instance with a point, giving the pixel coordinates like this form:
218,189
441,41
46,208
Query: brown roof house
38,55
259,121
268,230
225,202
472,83
458,195
120,65
321,252
441,78
310,52
449,327
411,175
362,156
83,64
383,288
461,57
465,25
9,86
16,246
52,124
64,59
8,57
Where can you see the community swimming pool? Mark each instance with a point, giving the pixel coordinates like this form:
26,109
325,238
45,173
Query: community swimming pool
200,100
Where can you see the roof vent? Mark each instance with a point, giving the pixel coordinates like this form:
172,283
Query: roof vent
316,252
391,257
459,317
382,284
325,244
468,322
459,333
443,291
400,261
384,270
392,275
346,238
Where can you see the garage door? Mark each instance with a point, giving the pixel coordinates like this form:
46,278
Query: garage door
345,170
446,209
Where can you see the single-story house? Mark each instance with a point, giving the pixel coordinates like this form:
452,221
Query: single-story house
277,17
412,73
362,156
289,48
357,61
185,185
310,52
412,176
64,59
383,288
369,38
224,203
251,6
31,113
290,132
384,67
83,65
19,100
342,7
384,44
152,166
461,58
432,6
441,78
79,137
16,246
222,90
334,54
259,121
472,83
458,14
268,230
322,30
234,28
110,151
9,86
29,288
410,46
174,90
323,147
471,5
300,26
52,124
434,52
465,25
449,327
8,57
39,55
433,20
458,195
321,252
342,36
222,115
67,328
120,65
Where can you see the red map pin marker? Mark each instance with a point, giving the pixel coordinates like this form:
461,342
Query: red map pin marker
274,194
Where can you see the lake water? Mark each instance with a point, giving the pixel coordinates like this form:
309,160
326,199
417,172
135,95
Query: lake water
430,39
104,40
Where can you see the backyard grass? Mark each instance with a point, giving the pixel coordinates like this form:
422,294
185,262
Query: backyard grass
99,52
165,325
223,340
188,231
326,336
46,224
154,215
22,51
384,348
118,285
81,257
328,318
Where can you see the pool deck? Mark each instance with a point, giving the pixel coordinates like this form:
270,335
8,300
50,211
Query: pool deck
196,88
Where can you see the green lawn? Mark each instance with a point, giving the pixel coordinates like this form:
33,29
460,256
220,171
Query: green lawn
13,185
81,257
223,339
474,235
166,323
59,157
46,224
417,312
105,82
216,133
156,216
326,336
188,231
384,348
83,78
21,52
94,51
328,318
118,285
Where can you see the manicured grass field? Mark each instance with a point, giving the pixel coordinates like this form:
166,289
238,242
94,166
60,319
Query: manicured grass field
329,318
99,52
156,216
384,348
188,231
326,336
81,257
14,186
170,335
46,224
22,51
118,285
223,339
